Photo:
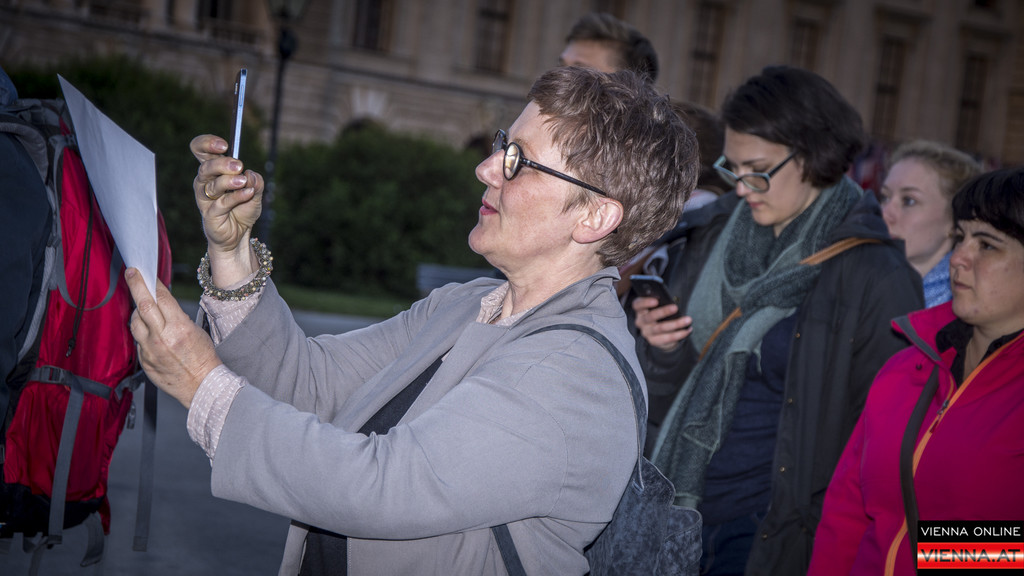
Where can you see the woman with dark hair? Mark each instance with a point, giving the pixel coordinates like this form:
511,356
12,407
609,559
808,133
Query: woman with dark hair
790,322
948,410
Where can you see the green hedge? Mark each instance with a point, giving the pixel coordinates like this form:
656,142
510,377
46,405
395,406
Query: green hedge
357,214
360,213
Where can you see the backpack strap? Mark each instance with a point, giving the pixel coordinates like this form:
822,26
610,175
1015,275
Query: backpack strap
144,508
55,375
78,387
636,390
507,546
818,257
323,548
93,552
62,466
62,285
907,456
60,281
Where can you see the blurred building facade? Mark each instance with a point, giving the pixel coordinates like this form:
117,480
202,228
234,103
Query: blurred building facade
455,70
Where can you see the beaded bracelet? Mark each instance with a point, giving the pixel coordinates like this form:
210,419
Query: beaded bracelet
250,288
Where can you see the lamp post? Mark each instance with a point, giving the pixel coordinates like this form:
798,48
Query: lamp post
284,13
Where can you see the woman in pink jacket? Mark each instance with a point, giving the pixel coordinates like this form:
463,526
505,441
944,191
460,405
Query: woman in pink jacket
968,456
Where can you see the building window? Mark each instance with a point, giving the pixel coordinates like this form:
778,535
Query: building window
218,18
616,8
973,91
887,87
214,10
707,42
493,23
129,11
803,47
372,28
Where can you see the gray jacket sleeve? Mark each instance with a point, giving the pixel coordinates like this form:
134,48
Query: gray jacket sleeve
316,374
513,439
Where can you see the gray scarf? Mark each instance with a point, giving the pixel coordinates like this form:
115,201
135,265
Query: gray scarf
751,269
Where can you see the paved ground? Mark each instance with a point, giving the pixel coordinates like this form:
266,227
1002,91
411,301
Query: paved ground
192,533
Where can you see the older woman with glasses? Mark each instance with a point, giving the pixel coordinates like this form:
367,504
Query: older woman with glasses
397,448
783,331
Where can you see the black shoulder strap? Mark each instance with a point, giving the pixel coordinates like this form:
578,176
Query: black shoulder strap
636,390
907,456
909,442
507,547
327,552
147,462
388,416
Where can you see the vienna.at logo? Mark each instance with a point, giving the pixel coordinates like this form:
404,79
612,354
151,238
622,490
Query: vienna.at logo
964,546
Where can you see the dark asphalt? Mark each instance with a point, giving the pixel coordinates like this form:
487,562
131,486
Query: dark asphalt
191,532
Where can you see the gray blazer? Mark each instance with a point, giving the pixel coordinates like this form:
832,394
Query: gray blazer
536,432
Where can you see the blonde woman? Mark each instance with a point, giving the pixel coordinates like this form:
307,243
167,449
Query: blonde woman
916,200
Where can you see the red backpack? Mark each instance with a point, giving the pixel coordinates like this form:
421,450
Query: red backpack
72,392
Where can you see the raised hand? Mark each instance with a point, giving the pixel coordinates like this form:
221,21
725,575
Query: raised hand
230,202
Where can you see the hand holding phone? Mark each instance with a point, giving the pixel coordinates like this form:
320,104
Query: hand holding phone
654,287
236,124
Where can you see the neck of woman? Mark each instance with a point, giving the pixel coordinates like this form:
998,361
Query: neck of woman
925,264
974,352
523,295
981,339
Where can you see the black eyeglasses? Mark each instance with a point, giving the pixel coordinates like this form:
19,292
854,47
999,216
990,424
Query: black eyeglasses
514,160
756,181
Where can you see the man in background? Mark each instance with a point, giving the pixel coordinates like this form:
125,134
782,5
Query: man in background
607,44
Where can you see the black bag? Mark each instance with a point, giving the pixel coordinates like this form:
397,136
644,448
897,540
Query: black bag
648,535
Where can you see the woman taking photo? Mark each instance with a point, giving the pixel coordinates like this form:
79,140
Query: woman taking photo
788,347
535,431
917,204
942,435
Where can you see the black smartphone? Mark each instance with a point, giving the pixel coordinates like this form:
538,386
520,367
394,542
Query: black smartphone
236,124
654,287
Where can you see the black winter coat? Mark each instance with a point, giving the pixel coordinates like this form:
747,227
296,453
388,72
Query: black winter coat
843,336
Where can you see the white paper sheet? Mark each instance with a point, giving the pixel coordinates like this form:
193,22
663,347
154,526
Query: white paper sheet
123,176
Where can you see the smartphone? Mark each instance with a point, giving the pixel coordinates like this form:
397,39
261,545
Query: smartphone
654,287
236,124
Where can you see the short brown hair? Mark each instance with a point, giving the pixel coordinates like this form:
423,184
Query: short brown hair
635,51
953,167
615,132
